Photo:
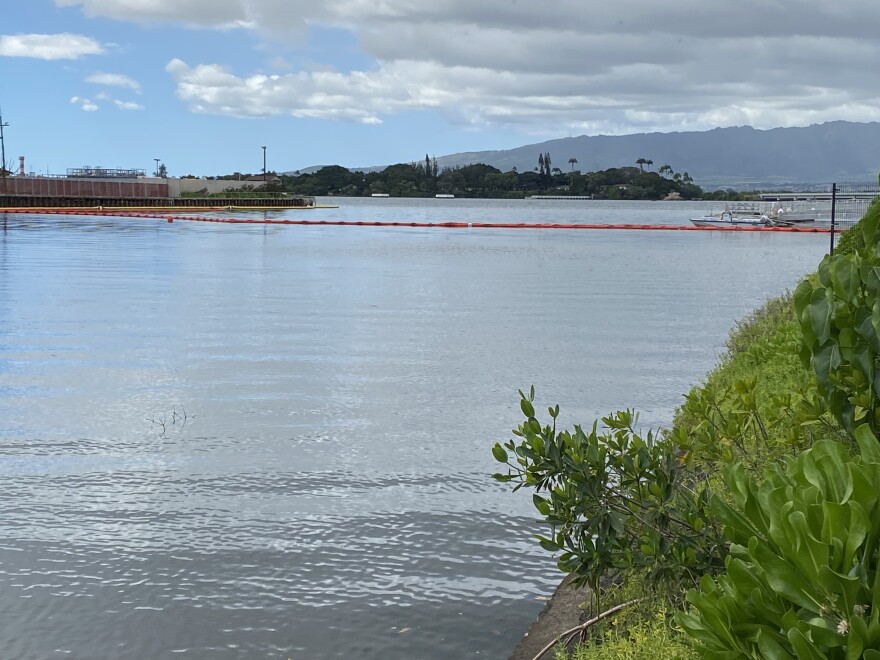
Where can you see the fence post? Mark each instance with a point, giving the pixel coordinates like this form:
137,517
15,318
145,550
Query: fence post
833,205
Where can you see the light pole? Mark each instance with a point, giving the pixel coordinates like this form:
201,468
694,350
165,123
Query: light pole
2,145
157,165
264,167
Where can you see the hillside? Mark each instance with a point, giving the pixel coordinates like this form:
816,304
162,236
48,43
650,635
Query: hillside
738,157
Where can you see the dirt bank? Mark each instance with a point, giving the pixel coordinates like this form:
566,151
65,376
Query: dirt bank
561,613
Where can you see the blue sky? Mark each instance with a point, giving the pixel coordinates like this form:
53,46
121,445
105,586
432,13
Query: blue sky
203,84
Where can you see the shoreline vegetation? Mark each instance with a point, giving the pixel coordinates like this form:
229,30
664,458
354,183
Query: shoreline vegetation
426,179
751,527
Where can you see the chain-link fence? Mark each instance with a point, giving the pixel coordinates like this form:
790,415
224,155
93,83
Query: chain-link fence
848,204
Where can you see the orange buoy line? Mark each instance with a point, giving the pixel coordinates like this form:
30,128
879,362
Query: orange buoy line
386,223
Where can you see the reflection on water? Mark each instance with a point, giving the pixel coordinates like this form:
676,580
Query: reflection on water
327,494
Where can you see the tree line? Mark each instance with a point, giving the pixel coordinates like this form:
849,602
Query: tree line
426,179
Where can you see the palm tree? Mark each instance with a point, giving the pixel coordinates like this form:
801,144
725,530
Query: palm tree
572,162
665,169
649,163
641,163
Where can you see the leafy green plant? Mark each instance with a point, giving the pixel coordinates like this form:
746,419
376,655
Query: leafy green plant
839,313
613,500
801,579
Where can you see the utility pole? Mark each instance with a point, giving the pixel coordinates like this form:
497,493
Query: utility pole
833,209
157,165
2,145
264,167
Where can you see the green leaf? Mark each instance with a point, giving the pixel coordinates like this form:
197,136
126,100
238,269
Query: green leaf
825,361
843,585
845,278
868,444
784,578
810,554
804,648
499,453
823,271
855,643
819,311
541,504
875,317
864,325
770,648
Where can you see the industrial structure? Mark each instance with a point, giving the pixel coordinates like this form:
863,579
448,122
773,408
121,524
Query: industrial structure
98,186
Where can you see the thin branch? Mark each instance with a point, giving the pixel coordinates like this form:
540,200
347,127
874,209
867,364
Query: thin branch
582,627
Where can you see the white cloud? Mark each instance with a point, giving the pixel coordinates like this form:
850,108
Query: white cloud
127,105
49,46
114,80
84,104
636,65
205,13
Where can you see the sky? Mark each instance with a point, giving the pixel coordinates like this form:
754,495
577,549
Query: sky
203,85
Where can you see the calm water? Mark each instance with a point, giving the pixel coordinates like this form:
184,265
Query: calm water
327,494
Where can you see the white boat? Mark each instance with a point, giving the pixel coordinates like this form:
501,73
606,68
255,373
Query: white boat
727,218
788,215
444,196
756,215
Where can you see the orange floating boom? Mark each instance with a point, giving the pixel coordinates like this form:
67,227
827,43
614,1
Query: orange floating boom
442,225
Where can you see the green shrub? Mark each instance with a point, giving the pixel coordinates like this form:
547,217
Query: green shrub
839,314
760,404
614,500
762,324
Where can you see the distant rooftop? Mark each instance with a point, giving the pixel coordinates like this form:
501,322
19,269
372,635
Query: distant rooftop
102,173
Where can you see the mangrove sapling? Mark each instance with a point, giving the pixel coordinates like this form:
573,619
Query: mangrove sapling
613,500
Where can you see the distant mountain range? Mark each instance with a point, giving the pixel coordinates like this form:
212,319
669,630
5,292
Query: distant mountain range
741,157
738,157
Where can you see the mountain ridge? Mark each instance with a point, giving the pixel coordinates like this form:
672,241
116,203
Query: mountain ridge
738,157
